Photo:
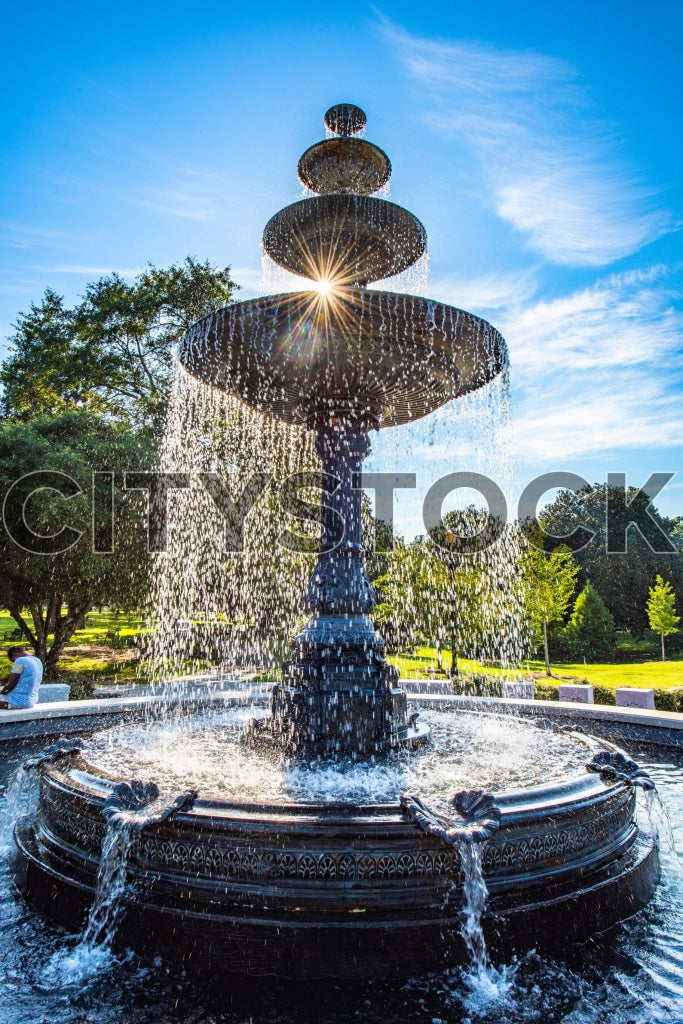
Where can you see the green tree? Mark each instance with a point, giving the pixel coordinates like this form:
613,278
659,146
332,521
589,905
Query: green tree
406,592
113,352
621,579
676,531
590,629
45,566
661,610
459,579
457,589
549,584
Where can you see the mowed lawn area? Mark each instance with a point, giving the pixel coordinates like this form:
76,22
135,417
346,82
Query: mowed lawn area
106,647
421,663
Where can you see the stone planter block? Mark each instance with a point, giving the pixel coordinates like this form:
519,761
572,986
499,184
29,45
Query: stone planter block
576,693
50,692
441,686
631,697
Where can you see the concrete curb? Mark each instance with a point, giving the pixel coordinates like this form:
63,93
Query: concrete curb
659,728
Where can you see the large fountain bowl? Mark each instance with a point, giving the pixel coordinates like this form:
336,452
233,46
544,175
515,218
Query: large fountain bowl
294,356
341,890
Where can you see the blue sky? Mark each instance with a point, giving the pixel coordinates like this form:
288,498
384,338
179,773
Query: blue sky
539,143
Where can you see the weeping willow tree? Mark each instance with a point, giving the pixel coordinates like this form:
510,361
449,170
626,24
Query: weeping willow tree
460,589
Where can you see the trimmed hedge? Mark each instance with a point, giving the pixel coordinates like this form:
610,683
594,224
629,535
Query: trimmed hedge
478,684
82,685
604,695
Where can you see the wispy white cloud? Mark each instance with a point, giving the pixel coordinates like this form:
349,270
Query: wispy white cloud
584,420
143,175
595,373
599,370
14,235
176,202
486,293
622,320
548,161
85,270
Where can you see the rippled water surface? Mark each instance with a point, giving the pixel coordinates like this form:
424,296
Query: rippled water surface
468,750
634,975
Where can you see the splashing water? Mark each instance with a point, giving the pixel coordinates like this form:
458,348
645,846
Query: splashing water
203,751
661,823
111,884
475,895
131,807
93,953
208,600
479,594
484,983
22,796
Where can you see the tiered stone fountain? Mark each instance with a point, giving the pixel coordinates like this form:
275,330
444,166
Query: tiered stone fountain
343,361
309,890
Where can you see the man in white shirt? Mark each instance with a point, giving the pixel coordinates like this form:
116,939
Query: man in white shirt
24,680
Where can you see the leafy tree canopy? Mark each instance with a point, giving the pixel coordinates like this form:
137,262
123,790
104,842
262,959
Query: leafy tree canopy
621,579
113,352
661,610
46,476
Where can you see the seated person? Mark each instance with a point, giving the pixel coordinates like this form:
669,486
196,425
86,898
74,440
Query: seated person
22,685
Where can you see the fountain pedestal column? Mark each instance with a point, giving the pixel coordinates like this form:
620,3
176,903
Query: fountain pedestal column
339,696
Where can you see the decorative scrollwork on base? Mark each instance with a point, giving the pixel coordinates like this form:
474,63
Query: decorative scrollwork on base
479,812
615,765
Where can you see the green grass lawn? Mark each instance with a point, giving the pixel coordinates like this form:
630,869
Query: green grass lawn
91,651
101,649
102,652
664,674
421,663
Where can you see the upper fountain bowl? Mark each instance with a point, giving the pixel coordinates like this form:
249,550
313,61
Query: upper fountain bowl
345,119
344,165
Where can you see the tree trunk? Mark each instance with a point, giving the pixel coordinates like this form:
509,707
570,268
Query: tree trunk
454,645
65,627
454,649
24,626
439,656
40,631
79,616
545,648
663,654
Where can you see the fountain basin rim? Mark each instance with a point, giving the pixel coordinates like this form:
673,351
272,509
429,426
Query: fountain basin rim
579,791
661,728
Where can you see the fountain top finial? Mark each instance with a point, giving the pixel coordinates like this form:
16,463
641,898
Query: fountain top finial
345,119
